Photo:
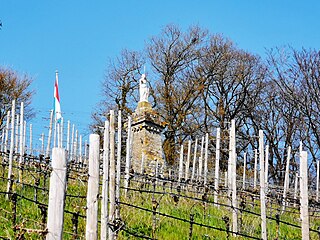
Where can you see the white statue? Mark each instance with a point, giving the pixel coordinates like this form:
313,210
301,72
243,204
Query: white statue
143,88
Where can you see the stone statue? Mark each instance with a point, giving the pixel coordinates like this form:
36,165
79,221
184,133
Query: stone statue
143,88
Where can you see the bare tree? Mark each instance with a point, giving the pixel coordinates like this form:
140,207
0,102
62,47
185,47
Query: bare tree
14,86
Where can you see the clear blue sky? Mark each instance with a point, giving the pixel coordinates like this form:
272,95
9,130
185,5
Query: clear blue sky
78,37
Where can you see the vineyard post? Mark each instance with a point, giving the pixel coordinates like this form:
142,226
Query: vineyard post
118,171
71,143
304,205
21,139
93,188
57,194
49,135
16,146
7,132
55,133
24,138
42,143
142,163
255,168
61,132
216,177
188,161
286,180
105,187
262,188
75,149
194,159
30,139
68,138
181,163
296,181
112,180
11,147
266,168
244,171
233,167
80,150
201,159
2,141
206,159
317,183
128,151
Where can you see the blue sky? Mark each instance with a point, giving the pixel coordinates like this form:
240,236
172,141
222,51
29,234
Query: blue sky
78,37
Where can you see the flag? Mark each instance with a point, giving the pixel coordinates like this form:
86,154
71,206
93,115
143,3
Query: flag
57,108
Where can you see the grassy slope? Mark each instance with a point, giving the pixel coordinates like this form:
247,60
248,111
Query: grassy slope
138,221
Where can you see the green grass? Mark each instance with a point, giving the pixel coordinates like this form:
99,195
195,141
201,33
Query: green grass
138,221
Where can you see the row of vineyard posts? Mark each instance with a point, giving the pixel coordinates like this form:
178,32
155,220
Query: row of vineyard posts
106,167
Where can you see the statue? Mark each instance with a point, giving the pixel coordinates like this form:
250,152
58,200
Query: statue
143,88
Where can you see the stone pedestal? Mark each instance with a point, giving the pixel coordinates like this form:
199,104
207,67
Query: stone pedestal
146,139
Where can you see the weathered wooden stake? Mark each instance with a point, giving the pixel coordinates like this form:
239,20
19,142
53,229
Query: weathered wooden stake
57,195
194,159
30,139
16,145
244,170
186,176
93,188
201,160
118,176
181,163
68,138
255,169
296,181
7,132
205,174
105,186
128,157
13,109
233,162
217,167
286,180
262,188
317,183
112,175
49,135
266,168
304,204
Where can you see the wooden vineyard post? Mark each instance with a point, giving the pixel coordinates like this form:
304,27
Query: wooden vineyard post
181,163
317,183
296,181
93,188
233,177
21,140
217,168
304,204
266,168
112,176
188,161
200,160
262,188
30,139
105,186
49,135
286,180
255,169
11,147
244,171
205,174
7,132
128,157
118,170
194,160
57,194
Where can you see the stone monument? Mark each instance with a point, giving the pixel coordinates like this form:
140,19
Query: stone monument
146,134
